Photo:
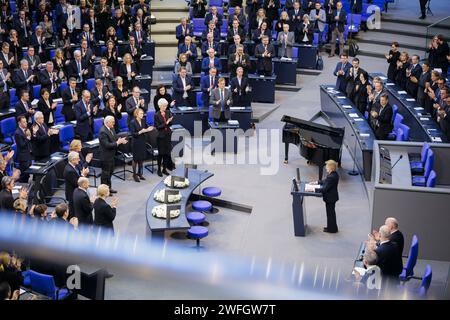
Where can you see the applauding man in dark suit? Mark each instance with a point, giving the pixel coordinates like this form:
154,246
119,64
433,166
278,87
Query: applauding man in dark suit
109,144
81,202
381,118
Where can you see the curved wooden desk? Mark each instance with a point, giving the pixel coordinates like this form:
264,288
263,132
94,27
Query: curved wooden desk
158,226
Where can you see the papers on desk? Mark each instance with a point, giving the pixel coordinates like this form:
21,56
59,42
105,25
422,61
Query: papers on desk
364,134
424,119
143,56
58,100
21,291
390,84
285,59
185,108
341,97
436,139
330,88
359,119
17,188
34,102
35,167
73,122
346,106
418,108
233,122
309,187
401,92
92,142
237,108
383,77
353,115
57,126
410,99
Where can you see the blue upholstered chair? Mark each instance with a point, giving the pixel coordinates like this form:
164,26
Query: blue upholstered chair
195,217
45,284
123,126
8,127
197,233
98,123
408,270
420,181
90,84
66,135
199,99
199,26
12,97
402,132
59,116
426,280
417,164
431,181
36,91
150,117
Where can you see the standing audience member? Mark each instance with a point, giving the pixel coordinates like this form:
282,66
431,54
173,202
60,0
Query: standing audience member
22,137
138,130
71,174
104,213
163,120
82,204
337,27
392,57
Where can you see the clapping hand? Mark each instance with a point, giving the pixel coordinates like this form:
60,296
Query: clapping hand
169,120
122,140
374,114
85,172
23,193
114,202
74,222
89,157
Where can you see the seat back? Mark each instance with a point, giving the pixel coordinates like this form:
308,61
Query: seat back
90,84
66,135
294,52
59,116
199,99
399,135
405,130
8,126
216,3
412,257
424,152
397,120
429,164
199,25
63,86
150,117
36,91
98,123
431,181
43,284
210,117
426,280
123,123
12,97
394,112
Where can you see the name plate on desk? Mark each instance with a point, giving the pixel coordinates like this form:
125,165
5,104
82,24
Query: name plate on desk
34,167
401,92
418,108
364,135
181,108
436,139
424,119
233,122
390,84
346,106
410,99
353,115
92,142
237,108
359,119
341,97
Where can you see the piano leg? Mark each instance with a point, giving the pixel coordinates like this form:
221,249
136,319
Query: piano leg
286,152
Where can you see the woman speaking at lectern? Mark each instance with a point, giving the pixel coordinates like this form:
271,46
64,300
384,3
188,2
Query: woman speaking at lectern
329,190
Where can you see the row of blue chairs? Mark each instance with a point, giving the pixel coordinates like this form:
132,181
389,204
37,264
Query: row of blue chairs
423,168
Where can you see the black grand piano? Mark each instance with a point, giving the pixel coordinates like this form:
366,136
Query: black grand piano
318,143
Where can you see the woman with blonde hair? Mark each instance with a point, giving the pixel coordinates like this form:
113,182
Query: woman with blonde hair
329,190
183,62
104,212
76,146
128,71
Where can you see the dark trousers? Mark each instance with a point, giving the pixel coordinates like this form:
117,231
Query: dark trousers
331,216
23,166
107,171
221,118
423,4
165,160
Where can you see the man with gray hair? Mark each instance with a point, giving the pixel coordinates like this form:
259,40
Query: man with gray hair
389,261
71,174
81,203
49,79
370,262
78,69
40,137
23,78
396,235
109,143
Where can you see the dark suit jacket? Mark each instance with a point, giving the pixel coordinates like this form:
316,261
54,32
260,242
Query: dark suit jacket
257,33
37,61
21,111
20,81
45,109
384,124
83,127
179,32
177,87
124,74
205,65
67,110
205,47
205,83
73,69
82,206
45,80
23,146
241,97
216,34
209,17
411,87
71,176
35,44
136,56
230,34
389,261
104,214
341,81
143,37
6,62
41,142
399,240
108,144
352,82
6,200
329,187
182,48
340,23
232,66
264,63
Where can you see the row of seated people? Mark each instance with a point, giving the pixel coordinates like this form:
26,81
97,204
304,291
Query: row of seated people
51,18
354,82
328,23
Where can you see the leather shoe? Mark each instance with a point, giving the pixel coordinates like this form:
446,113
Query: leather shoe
165,172
328,231
112,191
422,17
141,177
159,173
135,177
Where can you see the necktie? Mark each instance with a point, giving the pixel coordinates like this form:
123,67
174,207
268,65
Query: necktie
222,99
25,74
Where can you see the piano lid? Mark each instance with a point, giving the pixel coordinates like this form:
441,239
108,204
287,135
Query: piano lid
316,135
